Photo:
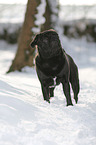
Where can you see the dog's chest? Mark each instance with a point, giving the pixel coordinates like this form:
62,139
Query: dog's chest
50,67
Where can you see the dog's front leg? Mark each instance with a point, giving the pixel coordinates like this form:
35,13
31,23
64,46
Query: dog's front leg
51,91
66,89
45,91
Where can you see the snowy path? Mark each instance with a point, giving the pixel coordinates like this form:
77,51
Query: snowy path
25,119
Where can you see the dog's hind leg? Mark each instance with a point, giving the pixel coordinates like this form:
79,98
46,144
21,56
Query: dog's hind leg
75,88
66,89
74,79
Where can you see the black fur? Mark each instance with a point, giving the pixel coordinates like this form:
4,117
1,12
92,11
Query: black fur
53,62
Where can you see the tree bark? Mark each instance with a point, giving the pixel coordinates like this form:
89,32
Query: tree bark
23,56
49,23
47,15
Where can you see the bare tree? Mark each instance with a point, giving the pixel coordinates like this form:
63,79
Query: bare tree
48,24
52,8
25,55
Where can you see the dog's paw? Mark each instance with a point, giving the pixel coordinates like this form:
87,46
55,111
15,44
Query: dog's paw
47,101
69,104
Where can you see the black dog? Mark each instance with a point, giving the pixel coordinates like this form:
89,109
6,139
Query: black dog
54,66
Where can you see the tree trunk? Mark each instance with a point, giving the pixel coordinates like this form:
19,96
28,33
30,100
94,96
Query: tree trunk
50,23
23,56
47,15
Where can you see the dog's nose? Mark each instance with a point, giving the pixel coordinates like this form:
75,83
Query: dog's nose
32,44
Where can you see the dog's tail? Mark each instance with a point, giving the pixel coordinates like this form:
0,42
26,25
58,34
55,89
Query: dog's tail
74,78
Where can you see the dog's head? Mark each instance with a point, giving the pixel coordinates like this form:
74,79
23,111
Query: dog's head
48,43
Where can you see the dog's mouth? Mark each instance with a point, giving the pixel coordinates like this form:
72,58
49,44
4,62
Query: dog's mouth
33,44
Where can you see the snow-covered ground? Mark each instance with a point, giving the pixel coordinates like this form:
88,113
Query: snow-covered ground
25,119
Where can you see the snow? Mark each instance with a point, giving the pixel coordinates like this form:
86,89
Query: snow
12,13
69,13
54,6
13,2
77,2
40,19
26,119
